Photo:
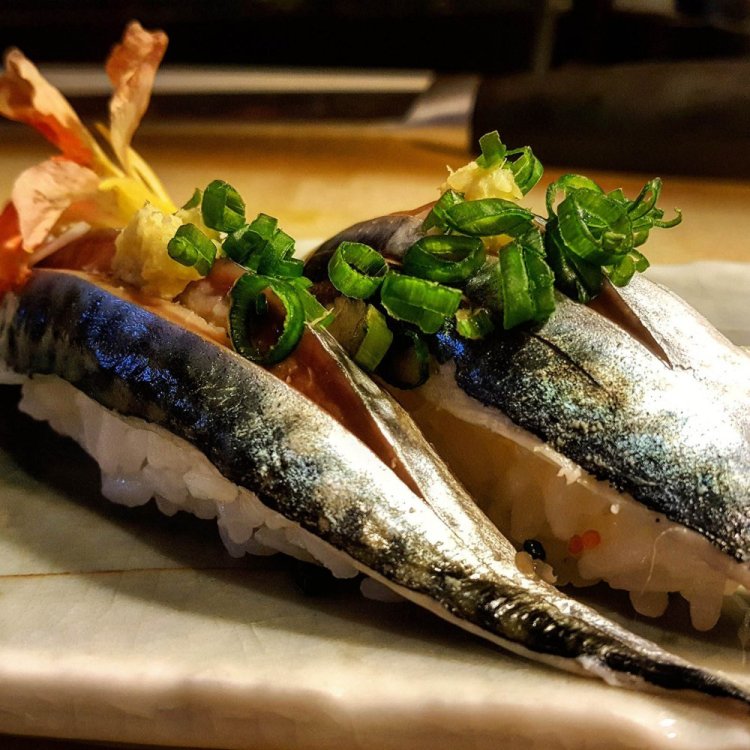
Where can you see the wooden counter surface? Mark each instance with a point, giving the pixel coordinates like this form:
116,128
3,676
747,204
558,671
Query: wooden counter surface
318,183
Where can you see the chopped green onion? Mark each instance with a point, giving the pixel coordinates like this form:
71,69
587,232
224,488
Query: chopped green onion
576,278
407,363
518,305
436,217
444,258
474,323
646,199
533,241
277,258
527,284
356,270
378,338
315,313
623,272
191,247
262,247
264,225
348,322
283,244
566,184
493,150
424,303
643,211
488,217
222,207
302,282
241,244
594,227
288,268
669,224
485,288
527,169
253,332
565,275
194,201
641,228
541,284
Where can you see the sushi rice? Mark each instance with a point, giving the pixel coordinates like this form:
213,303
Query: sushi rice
537,493
141,461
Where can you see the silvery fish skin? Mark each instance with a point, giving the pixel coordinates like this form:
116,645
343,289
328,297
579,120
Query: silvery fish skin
439,552
663,415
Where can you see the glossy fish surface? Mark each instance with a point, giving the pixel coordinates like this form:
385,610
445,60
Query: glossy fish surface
675,438
430,545
636,388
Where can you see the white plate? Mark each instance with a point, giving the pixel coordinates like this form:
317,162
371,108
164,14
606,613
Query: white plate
124,625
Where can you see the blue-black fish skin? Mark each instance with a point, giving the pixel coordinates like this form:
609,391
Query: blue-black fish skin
262,435
591,390
558,392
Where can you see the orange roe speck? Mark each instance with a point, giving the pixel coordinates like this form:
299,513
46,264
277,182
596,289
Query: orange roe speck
580,543
591,539
575,545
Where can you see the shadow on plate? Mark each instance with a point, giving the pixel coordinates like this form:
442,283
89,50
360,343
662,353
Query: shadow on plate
65,474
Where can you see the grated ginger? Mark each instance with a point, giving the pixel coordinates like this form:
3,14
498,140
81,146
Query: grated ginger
477,182
141,256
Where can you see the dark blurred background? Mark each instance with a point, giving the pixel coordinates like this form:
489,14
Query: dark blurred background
641,85
497,36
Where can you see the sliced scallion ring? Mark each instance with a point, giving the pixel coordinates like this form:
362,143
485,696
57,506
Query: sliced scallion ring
315,313
377,340
576,278
264,225
518,304
252,329
446,258
541,284
195,200
357,270
532,241
527,169
645,200
493,150
191,247
283,244
241,244
594,227
424,303
671,223
436,217
621,274
288,268
488,217
222,207
566,184
474,323
406,365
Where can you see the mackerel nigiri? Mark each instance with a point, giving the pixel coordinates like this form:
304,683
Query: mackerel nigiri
220,393
611,440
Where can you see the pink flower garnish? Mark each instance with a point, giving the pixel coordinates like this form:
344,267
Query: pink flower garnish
131,68
82,182
26,96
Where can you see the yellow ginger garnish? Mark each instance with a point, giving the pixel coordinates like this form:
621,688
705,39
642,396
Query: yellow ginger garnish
477,182
141,257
